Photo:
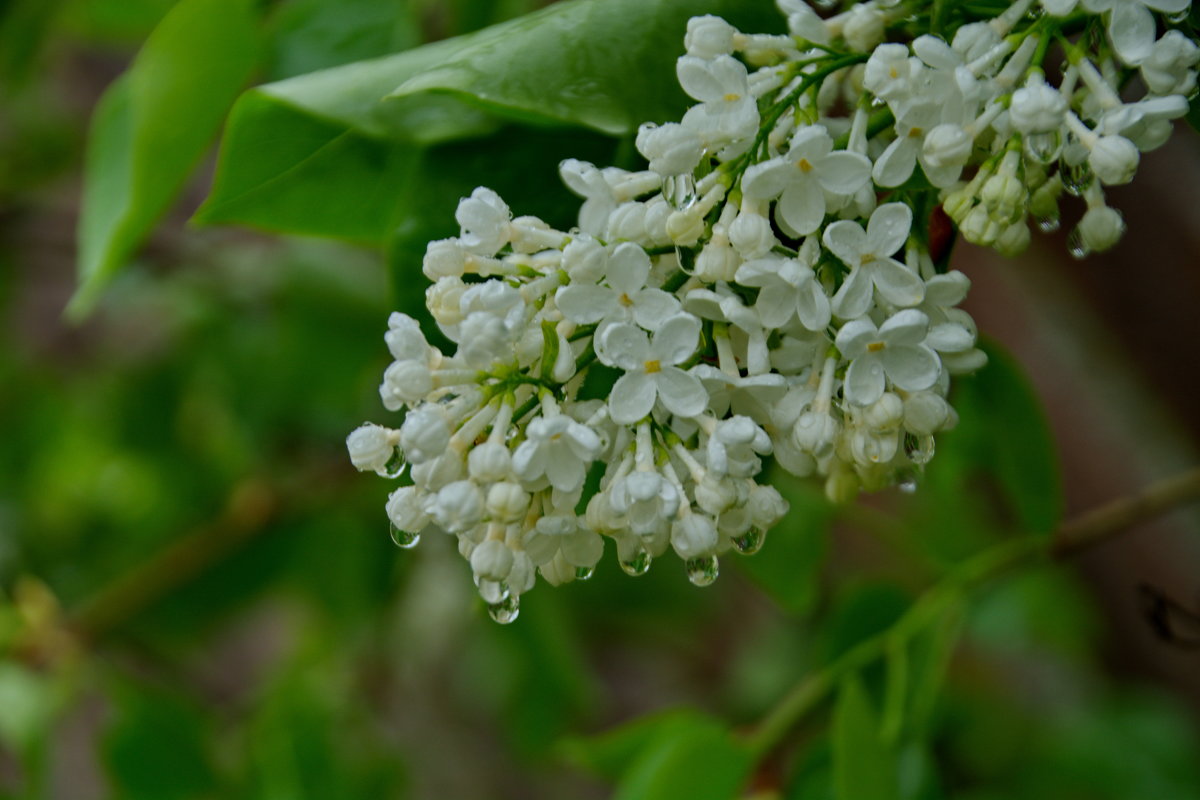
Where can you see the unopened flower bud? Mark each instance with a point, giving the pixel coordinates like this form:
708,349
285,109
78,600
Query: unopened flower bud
492,561
1114,160
371,447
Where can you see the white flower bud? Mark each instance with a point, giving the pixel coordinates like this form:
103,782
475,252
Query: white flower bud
815,433
444,300
522,575
1013,240
489,462
557,571
714,495
507,502
751,235
438,472
1101,228
405,509
484,219
627,222
1037,107
870,447
947,145
444,258
671,149
1168,68
766,506
458,506
405,339
974,39
424,435
405,383
863,28
1114,159
979,228
371,447
709,37
694,535
925,413
582,548
685,227
492,561
884,413
584,259
716,262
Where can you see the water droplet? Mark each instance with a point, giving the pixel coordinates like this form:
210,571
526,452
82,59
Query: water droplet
679,191
1043,147
395,466
492,592
826,5
506,610
639,564
906,481
749,542
702,571
919,449
877,102
1076,246
584,573
1076,179
1047,224
405,539
1179,16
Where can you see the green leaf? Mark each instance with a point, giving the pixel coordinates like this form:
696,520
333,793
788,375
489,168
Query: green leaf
1019,450
153,125
611,753
863,766
701,761
310,35
789,565
326,154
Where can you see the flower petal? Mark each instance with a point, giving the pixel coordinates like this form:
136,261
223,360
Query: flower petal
847,240
775,305
949,337
652,306
888,228
1131,29
628,268
854,297
911,367
844,172
675,340
864,381
905,327
631,398
895,164
767,180
585,304
947,290
623,345
854,336
802,207
681,393
812,306
896,283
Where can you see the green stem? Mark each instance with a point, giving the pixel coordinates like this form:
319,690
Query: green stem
1086,531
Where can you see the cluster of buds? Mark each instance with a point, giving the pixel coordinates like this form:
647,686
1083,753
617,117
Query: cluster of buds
765,289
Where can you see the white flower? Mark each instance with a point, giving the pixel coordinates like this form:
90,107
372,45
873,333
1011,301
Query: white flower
1170,67
734,447
559,448
894,350
484,219
896,163
1037,107
371,447
651,371
727,110
1131,26
709,36
671,149
802,177
694,535
624,298
751,396
424,435
457,506
1114,160
588,182
492,561
868,255
788,287
404,509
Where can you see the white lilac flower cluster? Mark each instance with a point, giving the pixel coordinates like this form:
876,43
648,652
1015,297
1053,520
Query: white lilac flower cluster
768,287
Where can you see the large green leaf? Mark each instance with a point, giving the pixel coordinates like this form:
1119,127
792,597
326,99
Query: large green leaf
322,153
863,766
309,35
153,125
701,761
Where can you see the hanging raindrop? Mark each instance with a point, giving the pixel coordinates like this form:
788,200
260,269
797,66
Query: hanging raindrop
1047,224
1076,179
919,449
703,570
1076,246
584,573
505,611
749,542
680,191
404,539
396,465
639,564
1043,147
492,592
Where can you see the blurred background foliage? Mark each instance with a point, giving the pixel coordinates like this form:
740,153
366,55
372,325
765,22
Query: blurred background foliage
198,596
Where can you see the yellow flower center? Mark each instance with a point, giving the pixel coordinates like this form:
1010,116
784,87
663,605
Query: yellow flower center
731,97
653,367
916,133
625,300
804,165
875,347
867,258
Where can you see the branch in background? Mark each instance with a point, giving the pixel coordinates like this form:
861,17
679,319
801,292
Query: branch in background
1073,537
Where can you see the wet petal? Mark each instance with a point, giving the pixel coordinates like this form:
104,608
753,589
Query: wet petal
904,328
854,336
847,240
844,172
767,180
802,207
812,305
681,393
775,305
896,283
676,339
652,306
628,268
888,229
623,345
911,367
631,398
949,337
585,304
854,297
895,164
1131,28
864,381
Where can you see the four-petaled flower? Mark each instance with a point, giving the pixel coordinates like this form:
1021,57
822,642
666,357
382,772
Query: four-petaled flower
892,352
868,255
651,369
625,298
